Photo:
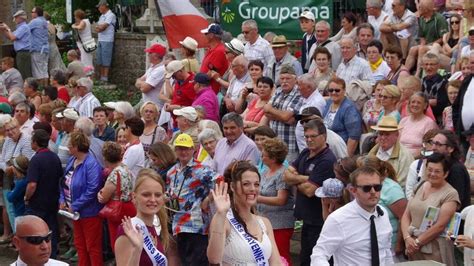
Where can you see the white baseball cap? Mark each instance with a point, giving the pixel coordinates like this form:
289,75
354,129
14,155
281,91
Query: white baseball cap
308,14
187,112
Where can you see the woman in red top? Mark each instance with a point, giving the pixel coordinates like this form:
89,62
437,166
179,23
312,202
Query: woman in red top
58,80
254,115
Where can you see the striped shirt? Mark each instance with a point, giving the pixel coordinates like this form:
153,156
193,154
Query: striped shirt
259,50
13,149
291,101
356,68
86,105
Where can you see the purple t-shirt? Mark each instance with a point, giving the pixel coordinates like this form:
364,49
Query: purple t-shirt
144,258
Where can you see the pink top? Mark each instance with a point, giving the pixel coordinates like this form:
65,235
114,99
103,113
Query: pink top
411,132
404,111
255,113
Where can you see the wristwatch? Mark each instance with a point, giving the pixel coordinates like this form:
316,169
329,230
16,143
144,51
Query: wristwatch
417,242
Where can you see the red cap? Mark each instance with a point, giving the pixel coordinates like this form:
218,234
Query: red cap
157,49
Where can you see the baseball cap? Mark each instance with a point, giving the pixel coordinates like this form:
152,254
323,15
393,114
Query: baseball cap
212,28
184,140
69,113
332,188
287,69
173,67
5,108
279,41
308,14
308,112
156,49
187,112
471,30
189,43
202,78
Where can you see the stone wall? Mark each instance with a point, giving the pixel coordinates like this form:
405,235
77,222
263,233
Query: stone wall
128,60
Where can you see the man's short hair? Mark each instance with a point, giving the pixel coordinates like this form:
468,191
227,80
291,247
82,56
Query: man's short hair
374,4
39,11
430,56
250,23
364,170
59,76
136,125
9,61
308,79
40,137
44,126
31,82
25,106
265,131
100,109
86,83
233,117
365,26
316,124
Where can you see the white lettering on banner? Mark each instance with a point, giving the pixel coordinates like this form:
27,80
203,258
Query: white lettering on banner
280,13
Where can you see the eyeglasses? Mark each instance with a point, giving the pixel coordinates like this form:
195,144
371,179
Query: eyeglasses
368,188
386,97
245,32
37,240
437,143
312,136
455,21
332,90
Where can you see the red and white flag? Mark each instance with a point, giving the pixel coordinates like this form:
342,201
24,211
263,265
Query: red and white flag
182,19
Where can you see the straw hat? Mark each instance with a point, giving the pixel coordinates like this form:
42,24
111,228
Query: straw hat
387,123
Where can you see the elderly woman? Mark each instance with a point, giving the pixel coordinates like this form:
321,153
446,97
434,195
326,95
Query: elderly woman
79,187
188,51
83,27
408,86
122,111
276,198
322,72
15,144
393,57
153,132
254,116
425,243
162,158
208,139
379,67
390,97
341,115
348,28
373,107
392,197
414,126
119,176
102,130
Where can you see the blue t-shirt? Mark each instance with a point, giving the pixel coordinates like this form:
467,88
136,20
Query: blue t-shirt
39,35
391,193
23,38
17,195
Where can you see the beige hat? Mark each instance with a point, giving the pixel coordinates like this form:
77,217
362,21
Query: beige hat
387,123
173,67
287,69
187,112
279,41
69,113
20,13
235,46
189,43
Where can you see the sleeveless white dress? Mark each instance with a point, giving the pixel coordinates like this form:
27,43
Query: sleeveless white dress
85,34
238,252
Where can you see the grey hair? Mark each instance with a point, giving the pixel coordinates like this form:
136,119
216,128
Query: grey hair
85,125
374,3
72,53
233,117
5,119
24,105
207,133
324,23
430,56
16,98
85,82
125,108
348,39
308,79
250,23
241,60
269,34
207,123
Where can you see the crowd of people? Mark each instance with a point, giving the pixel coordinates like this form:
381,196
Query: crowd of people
354,144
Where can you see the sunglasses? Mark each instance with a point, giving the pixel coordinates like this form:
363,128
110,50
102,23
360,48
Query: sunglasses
37,240
334,90
455,21
368,188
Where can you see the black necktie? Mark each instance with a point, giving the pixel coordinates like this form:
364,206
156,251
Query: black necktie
374,245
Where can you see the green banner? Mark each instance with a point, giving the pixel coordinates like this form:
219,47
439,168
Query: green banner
279,16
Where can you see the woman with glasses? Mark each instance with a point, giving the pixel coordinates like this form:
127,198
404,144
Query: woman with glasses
373,107
250,92
379,67
390,97
208,139
414,126
254,116
341,115
422,241
152,133
392,197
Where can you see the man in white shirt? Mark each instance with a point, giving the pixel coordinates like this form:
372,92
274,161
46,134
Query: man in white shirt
22,115
346,234
33,242
151,82
134,156
323,31
106,33
256,48
352,66
376,16
241,78
88,101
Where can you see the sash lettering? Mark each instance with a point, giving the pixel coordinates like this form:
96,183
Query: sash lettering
156,257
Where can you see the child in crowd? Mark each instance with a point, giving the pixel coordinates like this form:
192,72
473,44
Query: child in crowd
16,196
453,90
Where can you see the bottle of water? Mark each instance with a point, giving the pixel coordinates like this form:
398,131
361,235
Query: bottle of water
73,216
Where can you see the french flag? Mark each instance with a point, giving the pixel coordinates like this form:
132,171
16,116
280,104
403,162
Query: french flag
182,19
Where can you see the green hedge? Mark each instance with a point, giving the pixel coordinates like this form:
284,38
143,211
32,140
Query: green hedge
118,94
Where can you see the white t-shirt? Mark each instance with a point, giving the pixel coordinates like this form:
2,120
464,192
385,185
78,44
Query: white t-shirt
134,158
381,72
108,34
50,262
376,22
466,51
467,113
155,77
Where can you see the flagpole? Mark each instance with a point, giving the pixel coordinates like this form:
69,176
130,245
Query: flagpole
160,16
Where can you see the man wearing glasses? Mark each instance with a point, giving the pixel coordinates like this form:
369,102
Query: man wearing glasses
350,230
33,242
308,172
256,48
389,148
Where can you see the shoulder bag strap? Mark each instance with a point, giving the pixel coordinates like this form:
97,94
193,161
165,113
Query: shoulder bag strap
119,188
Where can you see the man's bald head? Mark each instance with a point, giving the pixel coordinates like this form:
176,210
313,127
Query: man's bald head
30,252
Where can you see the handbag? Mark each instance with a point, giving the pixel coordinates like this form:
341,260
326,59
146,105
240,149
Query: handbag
115,210
89,45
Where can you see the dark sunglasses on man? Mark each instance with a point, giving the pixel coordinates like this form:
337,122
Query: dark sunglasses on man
368,188
37,240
